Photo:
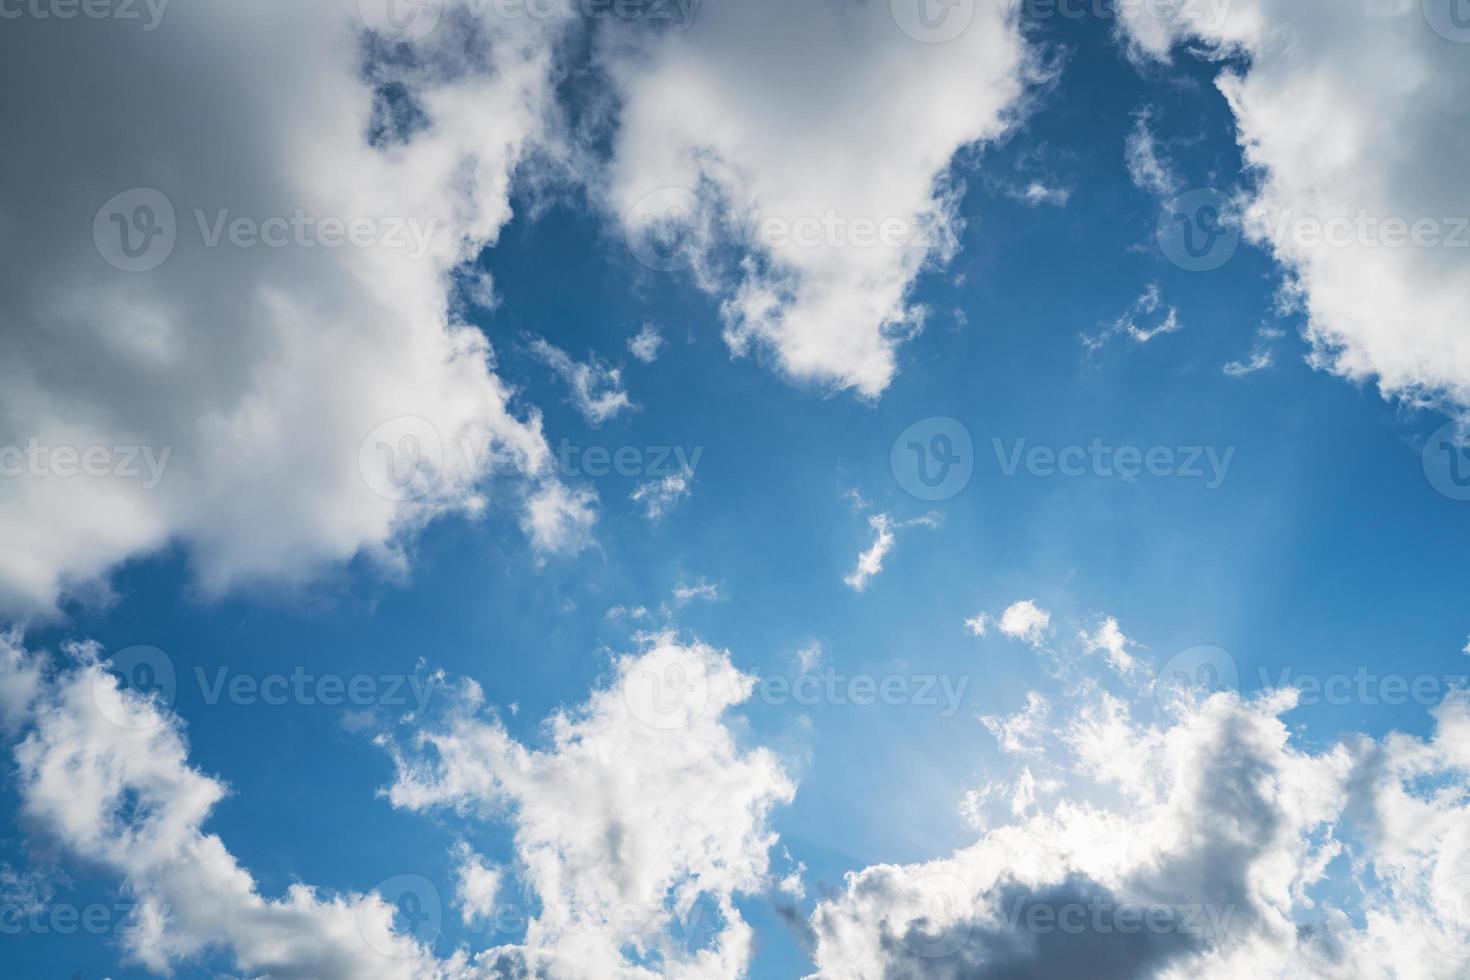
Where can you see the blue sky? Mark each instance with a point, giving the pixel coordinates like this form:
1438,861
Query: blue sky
1316,545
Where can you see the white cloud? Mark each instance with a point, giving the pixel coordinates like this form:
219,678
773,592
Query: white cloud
640,858
1131,323
1198,850
264,370
660,496
1108,638
1026,621
685,594
476,886
645,344
104,774
809,657
1021,733
978,625
597,387
870,562
810,120
1148,167
1355,116
559,519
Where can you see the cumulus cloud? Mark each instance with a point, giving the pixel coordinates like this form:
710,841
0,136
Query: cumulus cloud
1026,621
1198,849
596,386
1356,117
257,275
978,625
622,876
645,344
774,203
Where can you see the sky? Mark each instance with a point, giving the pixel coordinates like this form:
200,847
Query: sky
780,488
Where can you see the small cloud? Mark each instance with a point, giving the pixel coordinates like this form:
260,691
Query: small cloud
1026,621
1148,168
658,497
809,657
1109,639
1038,193
596,386
1021,733
978,625
634,613
1135,322
1262,355
559,519
870,562
646,343
685,594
